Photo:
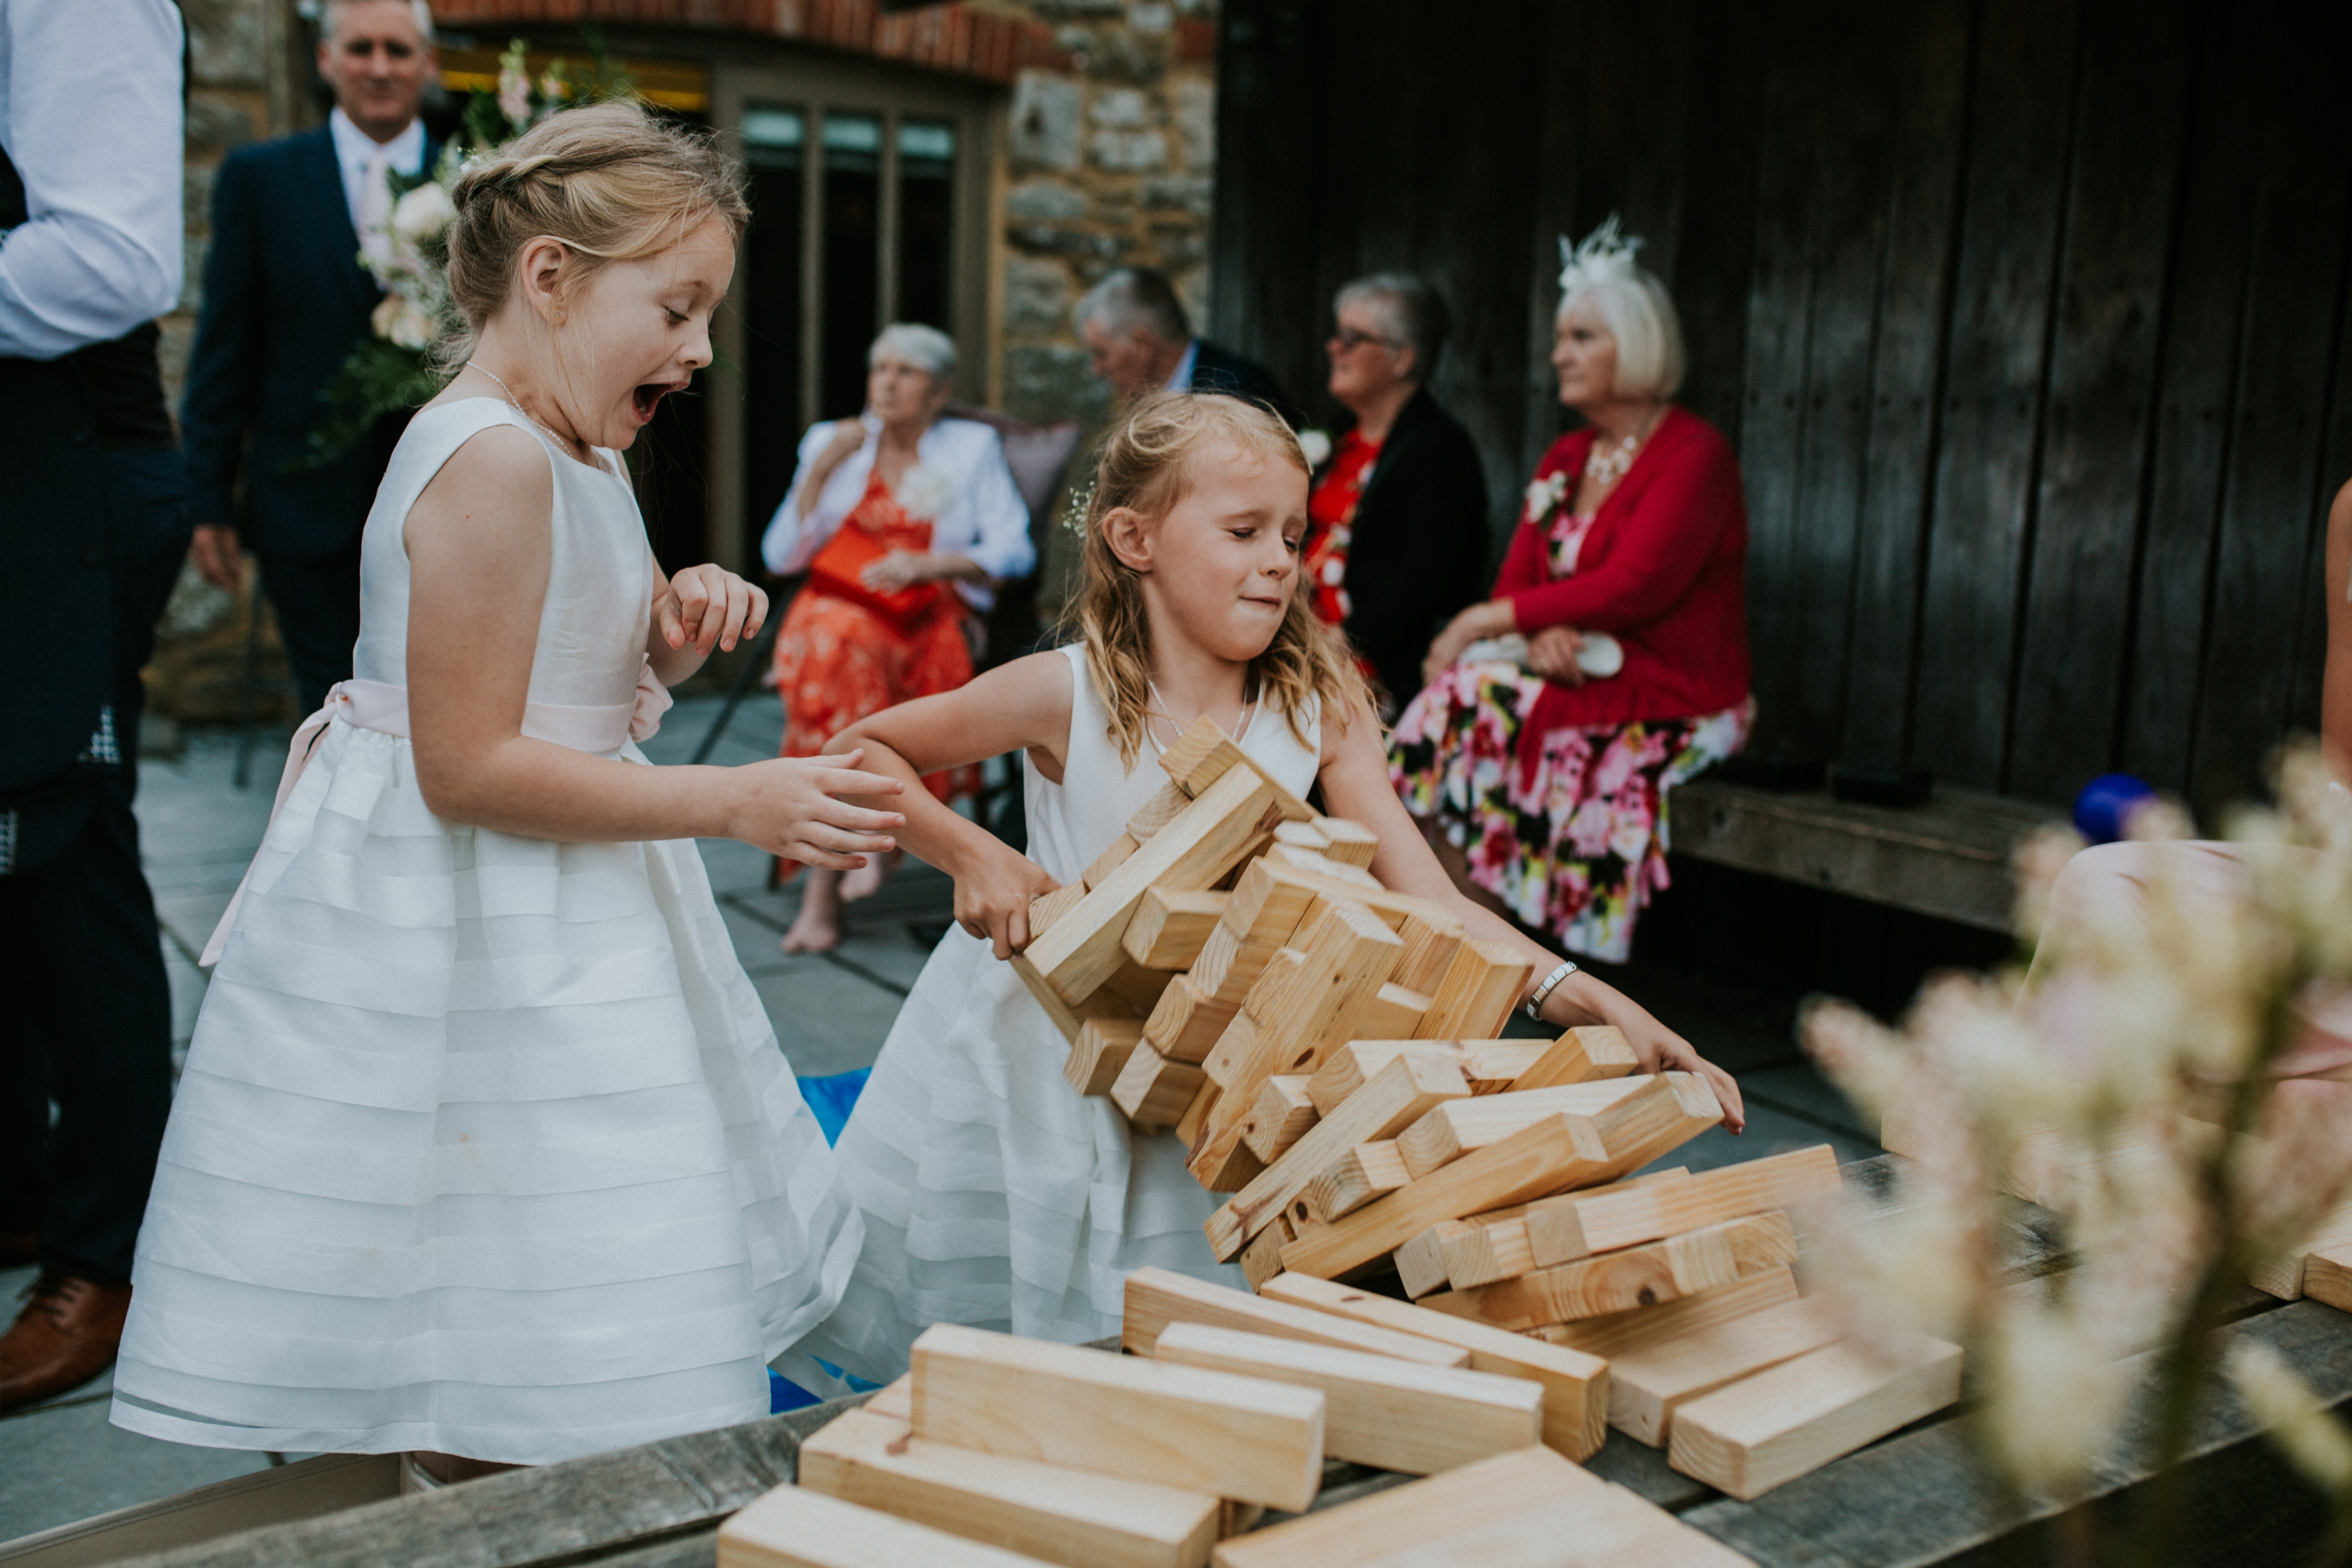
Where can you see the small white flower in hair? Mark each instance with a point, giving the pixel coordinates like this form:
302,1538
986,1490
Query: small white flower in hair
925,493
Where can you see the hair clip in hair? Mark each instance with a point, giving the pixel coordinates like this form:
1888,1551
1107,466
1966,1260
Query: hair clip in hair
1605,257
1082,501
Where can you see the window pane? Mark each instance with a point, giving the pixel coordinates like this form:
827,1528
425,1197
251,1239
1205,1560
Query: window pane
926,217
853,237
774,140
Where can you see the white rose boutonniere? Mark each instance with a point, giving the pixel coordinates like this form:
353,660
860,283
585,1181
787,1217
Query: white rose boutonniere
925,493
1317,445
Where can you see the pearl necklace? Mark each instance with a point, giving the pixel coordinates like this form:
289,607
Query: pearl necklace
1241,720
516,403
1605,465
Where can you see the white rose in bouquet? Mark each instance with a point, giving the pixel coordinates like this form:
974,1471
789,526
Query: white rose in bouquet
400,320
423,215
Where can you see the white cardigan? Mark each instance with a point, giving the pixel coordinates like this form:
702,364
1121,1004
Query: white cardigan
987,522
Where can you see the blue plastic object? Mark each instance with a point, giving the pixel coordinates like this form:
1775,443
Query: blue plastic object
832,1099
2103,811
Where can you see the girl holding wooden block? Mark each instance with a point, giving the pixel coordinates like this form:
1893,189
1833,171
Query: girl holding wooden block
993,1192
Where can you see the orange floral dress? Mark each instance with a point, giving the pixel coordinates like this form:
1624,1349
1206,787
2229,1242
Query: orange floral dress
838,661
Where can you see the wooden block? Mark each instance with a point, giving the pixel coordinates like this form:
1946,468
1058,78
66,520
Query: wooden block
1153,1090
1761,1431
1351,1064
1495,1067
1419,1514
793,1527
1303,1009
1575,1383
1220,1161
1562,1230
1301,836
1157,1299
1157,812
1202,756
1319,865
1083,949
1238,1517
1068,1019
1400,1093
2328,1276
1480,987
1394,1013
1139,987
1190,1125
1066,1404
1431,935
1260,1260
1113,856
1280,1117
1562,1151
1267,904
1450,1131
1349,843
1047,907
1377,1410
1366,1171
1583,1054
1230,964
1184,1025
1608,1526
1639,1129
1647,1385
1420,1262
1483,1248
1102,1051
2287,1276
1668,1270
1171,927
1624,1333
894,1399
1051,1512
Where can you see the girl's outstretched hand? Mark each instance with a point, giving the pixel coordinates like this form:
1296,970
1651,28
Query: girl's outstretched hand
993,894
788,807
1659,1049
709,606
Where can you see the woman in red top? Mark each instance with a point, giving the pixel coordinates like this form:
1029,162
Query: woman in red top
1611,662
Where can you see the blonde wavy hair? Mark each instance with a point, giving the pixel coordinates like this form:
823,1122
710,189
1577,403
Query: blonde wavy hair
611,180
1149,462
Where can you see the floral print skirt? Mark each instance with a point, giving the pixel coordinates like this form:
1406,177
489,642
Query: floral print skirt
1577,845
838,661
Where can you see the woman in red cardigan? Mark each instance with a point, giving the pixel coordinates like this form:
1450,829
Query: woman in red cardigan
1611,662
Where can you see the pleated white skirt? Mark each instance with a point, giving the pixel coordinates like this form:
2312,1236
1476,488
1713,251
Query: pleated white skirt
994,1194
484,1146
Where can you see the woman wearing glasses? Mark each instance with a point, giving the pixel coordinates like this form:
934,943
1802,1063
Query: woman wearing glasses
1396,539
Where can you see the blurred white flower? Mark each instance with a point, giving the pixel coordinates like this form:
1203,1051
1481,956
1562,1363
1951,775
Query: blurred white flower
423,214
2313,1441
1317,446
925,493
2054,1393
1545,494
399,319
514,92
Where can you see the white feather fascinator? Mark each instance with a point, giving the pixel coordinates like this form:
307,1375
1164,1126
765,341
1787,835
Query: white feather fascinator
1605,257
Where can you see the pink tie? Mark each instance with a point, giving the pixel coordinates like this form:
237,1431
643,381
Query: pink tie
375,206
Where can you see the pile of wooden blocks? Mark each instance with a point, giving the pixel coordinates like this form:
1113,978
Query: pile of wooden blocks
996,1450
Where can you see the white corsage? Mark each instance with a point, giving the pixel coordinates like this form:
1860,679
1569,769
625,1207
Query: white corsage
1545,495
925,493
1317,445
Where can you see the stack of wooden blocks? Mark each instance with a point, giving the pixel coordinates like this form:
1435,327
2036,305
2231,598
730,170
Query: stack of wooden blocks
996,1450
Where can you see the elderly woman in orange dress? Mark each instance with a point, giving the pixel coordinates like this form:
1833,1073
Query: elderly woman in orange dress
904,521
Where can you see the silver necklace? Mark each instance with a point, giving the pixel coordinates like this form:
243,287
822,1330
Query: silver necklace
1241,720
1605,465
516,403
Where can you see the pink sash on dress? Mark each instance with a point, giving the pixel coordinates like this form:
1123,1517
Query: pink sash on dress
376,705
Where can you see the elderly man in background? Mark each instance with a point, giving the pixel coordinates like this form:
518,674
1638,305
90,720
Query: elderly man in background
285,300
91,535
1139,340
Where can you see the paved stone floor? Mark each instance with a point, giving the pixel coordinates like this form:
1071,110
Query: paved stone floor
61,1461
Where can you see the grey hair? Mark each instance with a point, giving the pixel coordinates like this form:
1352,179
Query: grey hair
419,11
927,348
1135,297
1640,314
1409,310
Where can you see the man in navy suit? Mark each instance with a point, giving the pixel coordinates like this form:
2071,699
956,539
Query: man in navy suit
1139,340
285,300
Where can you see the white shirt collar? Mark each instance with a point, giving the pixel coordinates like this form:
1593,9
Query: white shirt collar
1181,381
354,147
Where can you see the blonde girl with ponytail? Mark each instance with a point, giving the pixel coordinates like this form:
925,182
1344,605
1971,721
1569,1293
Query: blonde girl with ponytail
485,1150
993,1194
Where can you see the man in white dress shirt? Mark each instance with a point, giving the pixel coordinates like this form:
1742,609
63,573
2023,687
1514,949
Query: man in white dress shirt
91,534
286,299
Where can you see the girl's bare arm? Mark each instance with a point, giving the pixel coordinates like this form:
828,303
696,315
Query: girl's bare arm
1356,785
479,548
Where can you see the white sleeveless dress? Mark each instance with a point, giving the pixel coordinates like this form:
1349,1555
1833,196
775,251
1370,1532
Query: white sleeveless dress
484,1144
992,1192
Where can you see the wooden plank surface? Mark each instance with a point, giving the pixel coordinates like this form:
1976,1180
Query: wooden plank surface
794,1528
1420,1512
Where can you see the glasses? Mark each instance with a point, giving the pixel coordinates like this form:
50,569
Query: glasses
1347,340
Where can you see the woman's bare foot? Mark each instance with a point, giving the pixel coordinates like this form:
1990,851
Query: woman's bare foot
817,927
867,879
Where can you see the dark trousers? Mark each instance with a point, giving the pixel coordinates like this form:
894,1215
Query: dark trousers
316,599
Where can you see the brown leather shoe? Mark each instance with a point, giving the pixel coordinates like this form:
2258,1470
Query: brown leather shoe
19,1248
67,1334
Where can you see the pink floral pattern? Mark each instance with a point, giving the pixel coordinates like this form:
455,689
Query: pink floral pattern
1575,845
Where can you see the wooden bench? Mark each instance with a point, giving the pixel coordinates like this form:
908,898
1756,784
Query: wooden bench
1948,857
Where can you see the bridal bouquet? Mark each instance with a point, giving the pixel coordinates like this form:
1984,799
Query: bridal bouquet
408,256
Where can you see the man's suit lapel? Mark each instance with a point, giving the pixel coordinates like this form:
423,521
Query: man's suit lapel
323,187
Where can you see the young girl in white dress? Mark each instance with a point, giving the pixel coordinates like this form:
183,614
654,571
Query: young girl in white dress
993,1194
484,1148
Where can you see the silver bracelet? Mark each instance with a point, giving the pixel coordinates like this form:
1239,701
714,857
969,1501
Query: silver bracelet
1550,984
